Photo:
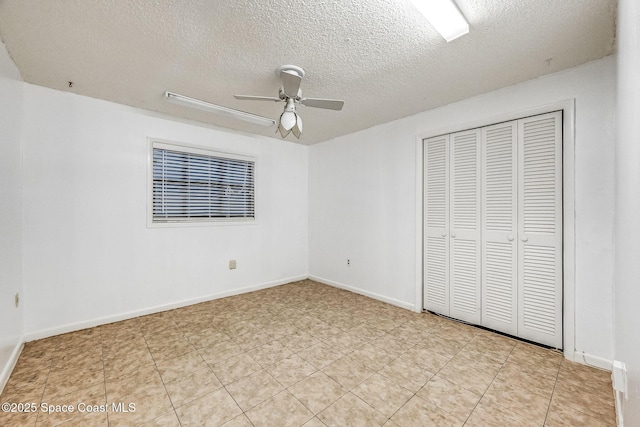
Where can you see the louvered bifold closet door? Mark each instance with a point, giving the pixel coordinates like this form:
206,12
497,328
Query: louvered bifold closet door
499,227
436,224
464,239
540,229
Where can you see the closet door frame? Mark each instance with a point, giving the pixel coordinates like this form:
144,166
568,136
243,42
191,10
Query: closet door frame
568,198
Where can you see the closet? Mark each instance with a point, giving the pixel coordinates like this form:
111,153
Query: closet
493,227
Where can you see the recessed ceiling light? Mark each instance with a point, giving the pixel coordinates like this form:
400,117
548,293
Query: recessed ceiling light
445,17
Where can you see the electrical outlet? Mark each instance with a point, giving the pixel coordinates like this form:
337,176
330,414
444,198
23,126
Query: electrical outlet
17,299
348,263
232,264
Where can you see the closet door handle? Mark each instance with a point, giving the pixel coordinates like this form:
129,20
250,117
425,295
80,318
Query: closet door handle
510,237
453,235
444,234
525,239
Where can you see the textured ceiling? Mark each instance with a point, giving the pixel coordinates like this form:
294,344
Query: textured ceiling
381,56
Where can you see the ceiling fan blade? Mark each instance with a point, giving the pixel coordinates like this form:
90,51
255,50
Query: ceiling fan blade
256,98
291,83
329,104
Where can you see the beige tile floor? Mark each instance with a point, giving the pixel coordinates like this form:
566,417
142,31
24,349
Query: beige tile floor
301,354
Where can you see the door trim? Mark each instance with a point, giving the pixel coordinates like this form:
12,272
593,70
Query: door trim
568,202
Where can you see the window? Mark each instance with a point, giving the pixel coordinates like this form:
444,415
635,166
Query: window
195,185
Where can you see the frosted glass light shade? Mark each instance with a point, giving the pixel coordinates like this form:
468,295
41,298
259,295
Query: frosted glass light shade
288,120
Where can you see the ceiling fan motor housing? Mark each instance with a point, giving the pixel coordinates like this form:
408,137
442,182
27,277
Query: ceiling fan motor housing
291,69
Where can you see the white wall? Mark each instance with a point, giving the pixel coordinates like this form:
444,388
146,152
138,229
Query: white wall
88,254
362,196
627,288
10,212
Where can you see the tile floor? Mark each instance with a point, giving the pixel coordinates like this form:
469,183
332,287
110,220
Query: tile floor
301,354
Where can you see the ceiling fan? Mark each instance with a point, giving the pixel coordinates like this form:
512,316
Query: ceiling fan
291,94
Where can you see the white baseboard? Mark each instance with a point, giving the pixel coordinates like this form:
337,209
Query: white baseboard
591,360
72,327
383,298
11,363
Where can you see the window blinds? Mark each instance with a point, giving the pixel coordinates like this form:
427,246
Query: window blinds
190,187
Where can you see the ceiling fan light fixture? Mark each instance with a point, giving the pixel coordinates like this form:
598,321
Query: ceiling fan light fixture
444,16
207,106
290,121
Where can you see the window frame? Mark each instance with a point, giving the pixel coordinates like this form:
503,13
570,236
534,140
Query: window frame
200,150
